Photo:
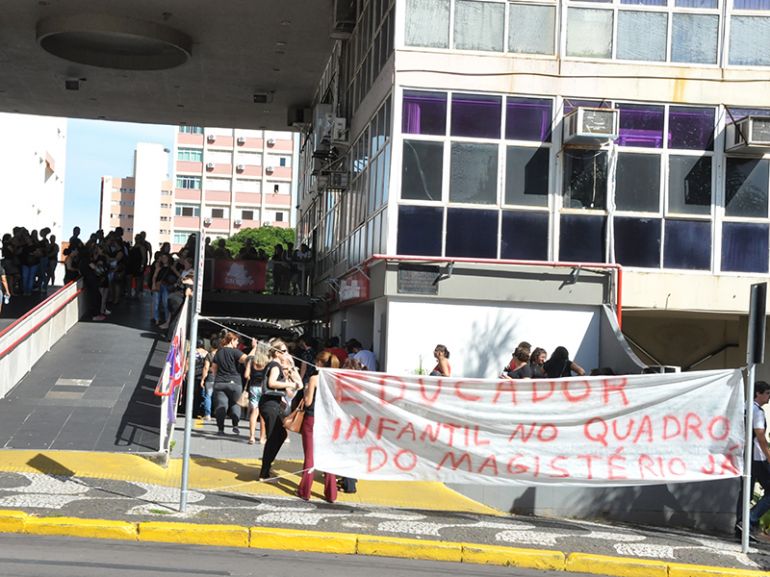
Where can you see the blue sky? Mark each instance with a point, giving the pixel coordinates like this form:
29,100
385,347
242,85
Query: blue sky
97,148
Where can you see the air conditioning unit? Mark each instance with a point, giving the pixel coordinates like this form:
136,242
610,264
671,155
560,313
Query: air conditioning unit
239,168
591,125
340,131
269,169
206,221
209,166
271,141
241,141
323,123
210,138
344,18
267,223
339,180
750,134
237,223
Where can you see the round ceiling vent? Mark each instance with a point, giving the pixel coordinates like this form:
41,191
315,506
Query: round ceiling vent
114,42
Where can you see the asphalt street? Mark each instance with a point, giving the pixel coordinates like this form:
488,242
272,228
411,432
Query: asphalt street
25,556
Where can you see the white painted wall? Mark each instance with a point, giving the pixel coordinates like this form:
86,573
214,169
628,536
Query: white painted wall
481,337
31,189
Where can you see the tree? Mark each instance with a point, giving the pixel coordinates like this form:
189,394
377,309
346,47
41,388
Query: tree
264,237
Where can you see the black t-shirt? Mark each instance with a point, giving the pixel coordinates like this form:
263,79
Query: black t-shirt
555,369
257,376
226,360
523,372
267,391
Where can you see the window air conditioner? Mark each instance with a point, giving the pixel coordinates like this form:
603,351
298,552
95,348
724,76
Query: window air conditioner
209,166
239,168
241,141
267,223
750,134
237,223
210,138
207,221
590,125
269,169
339,131
271,141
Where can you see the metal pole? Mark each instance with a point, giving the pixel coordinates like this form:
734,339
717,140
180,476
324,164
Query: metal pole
747,458
191,384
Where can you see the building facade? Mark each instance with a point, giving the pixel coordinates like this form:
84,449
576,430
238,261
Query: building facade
456,149
142,202
228,179
34,159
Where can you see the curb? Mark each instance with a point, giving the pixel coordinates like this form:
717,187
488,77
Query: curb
351,544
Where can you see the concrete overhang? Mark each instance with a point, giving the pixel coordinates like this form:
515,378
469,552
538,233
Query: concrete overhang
236,63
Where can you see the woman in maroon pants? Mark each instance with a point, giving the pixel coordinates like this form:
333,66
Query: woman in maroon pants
324,359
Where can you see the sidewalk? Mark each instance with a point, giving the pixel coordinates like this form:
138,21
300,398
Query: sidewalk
65,492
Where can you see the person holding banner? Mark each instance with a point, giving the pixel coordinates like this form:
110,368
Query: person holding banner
760,464
271,405
324,359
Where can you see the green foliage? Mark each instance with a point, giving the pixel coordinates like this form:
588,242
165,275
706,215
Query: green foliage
264,237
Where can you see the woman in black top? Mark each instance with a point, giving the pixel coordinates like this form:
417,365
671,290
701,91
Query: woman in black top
324,359
282,377
560,365
227,381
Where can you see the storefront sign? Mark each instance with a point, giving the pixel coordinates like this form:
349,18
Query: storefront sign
354,288
597,431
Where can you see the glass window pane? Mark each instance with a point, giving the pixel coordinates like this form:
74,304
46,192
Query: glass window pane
476,115
694,38
473,173
637,184
479,25
645,2
471,233
427,23
528,119
419,230
687,244
751,4
531,29
637,241
689,184
691,128
746,184
750,40
642,35
641,125
524,235
581,238
589,33
744,247
697,3
526,176
421,171
424,113
585,178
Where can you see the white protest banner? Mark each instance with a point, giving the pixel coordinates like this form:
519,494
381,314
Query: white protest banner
598,431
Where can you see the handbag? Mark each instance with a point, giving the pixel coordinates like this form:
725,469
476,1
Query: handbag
243,400
293,422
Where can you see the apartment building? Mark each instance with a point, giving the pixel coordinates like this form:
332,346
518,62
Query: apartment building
142,202
228,179
34,159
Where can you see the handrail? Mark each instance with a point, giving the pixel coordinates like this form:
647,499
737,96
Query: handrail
32,311
501,261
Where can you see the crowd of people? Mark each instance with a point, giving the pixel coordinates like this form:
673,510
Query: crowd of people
269,378
29,259
290,267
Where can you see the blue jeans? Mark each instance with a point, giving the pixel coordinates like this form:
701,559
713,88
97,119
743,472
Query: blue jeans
208,392
27,278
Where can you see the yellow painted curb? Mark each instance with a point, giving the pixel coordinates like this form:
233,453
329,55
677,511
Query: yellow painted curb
615,566
409,548
74,527
194,534
12,521
682,570
528,558
294,540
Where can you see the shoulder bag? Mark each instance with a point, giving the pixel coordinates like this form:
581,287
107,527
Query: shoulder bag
293,421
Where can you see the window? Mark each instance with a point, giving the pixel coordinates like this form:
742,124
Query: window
424,113
585,179
422,169
217,213
637,182
689,182
589,33
180,237
190,154
247,215
746,187
276,189
526,176
188,182
749,37
427,23
531,28
187,210
473,173
479,25
191,129
278,217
